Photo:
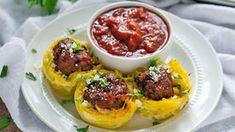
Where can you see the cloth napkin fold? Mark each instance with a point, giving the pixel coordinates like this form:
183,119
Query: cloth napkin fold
217,23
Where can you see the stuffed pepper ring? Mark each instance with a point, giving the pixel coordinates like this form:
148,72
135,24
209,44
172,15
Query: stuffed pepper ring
162,89
102,99
62,61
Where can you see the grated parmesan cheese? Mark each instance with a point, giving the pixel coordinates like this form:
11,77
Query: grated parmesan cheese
138,103
85,103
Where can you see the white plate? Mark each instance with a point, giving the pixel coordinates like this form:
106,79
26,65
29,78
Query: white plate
190,47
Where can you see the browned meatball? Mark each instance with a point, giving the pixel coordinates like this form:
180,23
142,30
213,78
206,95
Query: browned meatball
111,96
156,90
67,61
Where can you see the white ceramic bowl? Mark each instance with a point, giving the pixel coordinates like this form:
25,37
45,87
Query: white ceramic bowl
122,63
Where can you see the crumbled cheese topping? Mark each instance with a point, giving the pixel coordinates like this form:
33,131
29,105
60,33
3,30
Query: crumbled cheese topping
154,72
135,90
176,75
85,89
63,75
138,103
167,68
53,65
71,47
85,103
96,77
103,82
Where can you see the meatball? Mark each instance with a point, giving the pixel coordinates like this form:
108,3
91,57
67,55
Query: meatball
111,96
156,88
67,60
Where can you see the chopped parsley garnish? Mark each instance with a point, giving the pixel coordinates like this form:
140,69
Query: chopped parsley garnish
4,71
34,51
91,52
156,122
96,58
178,86
137,94
67,101
79,99
154,72
184,92
100,75
71,31
4,122
141,92
30,76
78,48
81,78
154,61
176,76
89,81
134,77
179,77
72,1
103,83
82,129
48,5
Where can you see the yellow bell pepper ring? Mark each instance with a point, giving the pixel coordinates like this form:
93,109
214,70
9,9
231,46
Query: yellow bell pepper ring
105,118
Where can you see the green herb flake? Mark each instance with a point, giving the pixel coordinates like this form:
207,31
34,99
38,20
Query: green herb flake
154,61
67,101
79,99
30,76
156,122
91,52
48,5
71,31
189,74
134,77
78,48
35,2
179,77
184,92
100,75
141,92
4,122
178,86
103,83
138,94
96,58
82,129
4,71
34,51
89,81
72,1
81,78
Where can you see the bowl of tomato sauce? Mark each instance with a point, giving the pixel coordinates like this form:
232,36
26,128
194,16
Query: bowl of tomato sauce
126,35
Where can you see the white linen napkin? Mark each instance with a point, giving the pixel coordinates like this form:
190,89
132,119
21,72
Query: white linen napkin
217,23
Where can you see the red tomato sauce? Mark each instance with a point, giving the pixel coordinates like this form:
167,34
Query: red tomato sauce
130,31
